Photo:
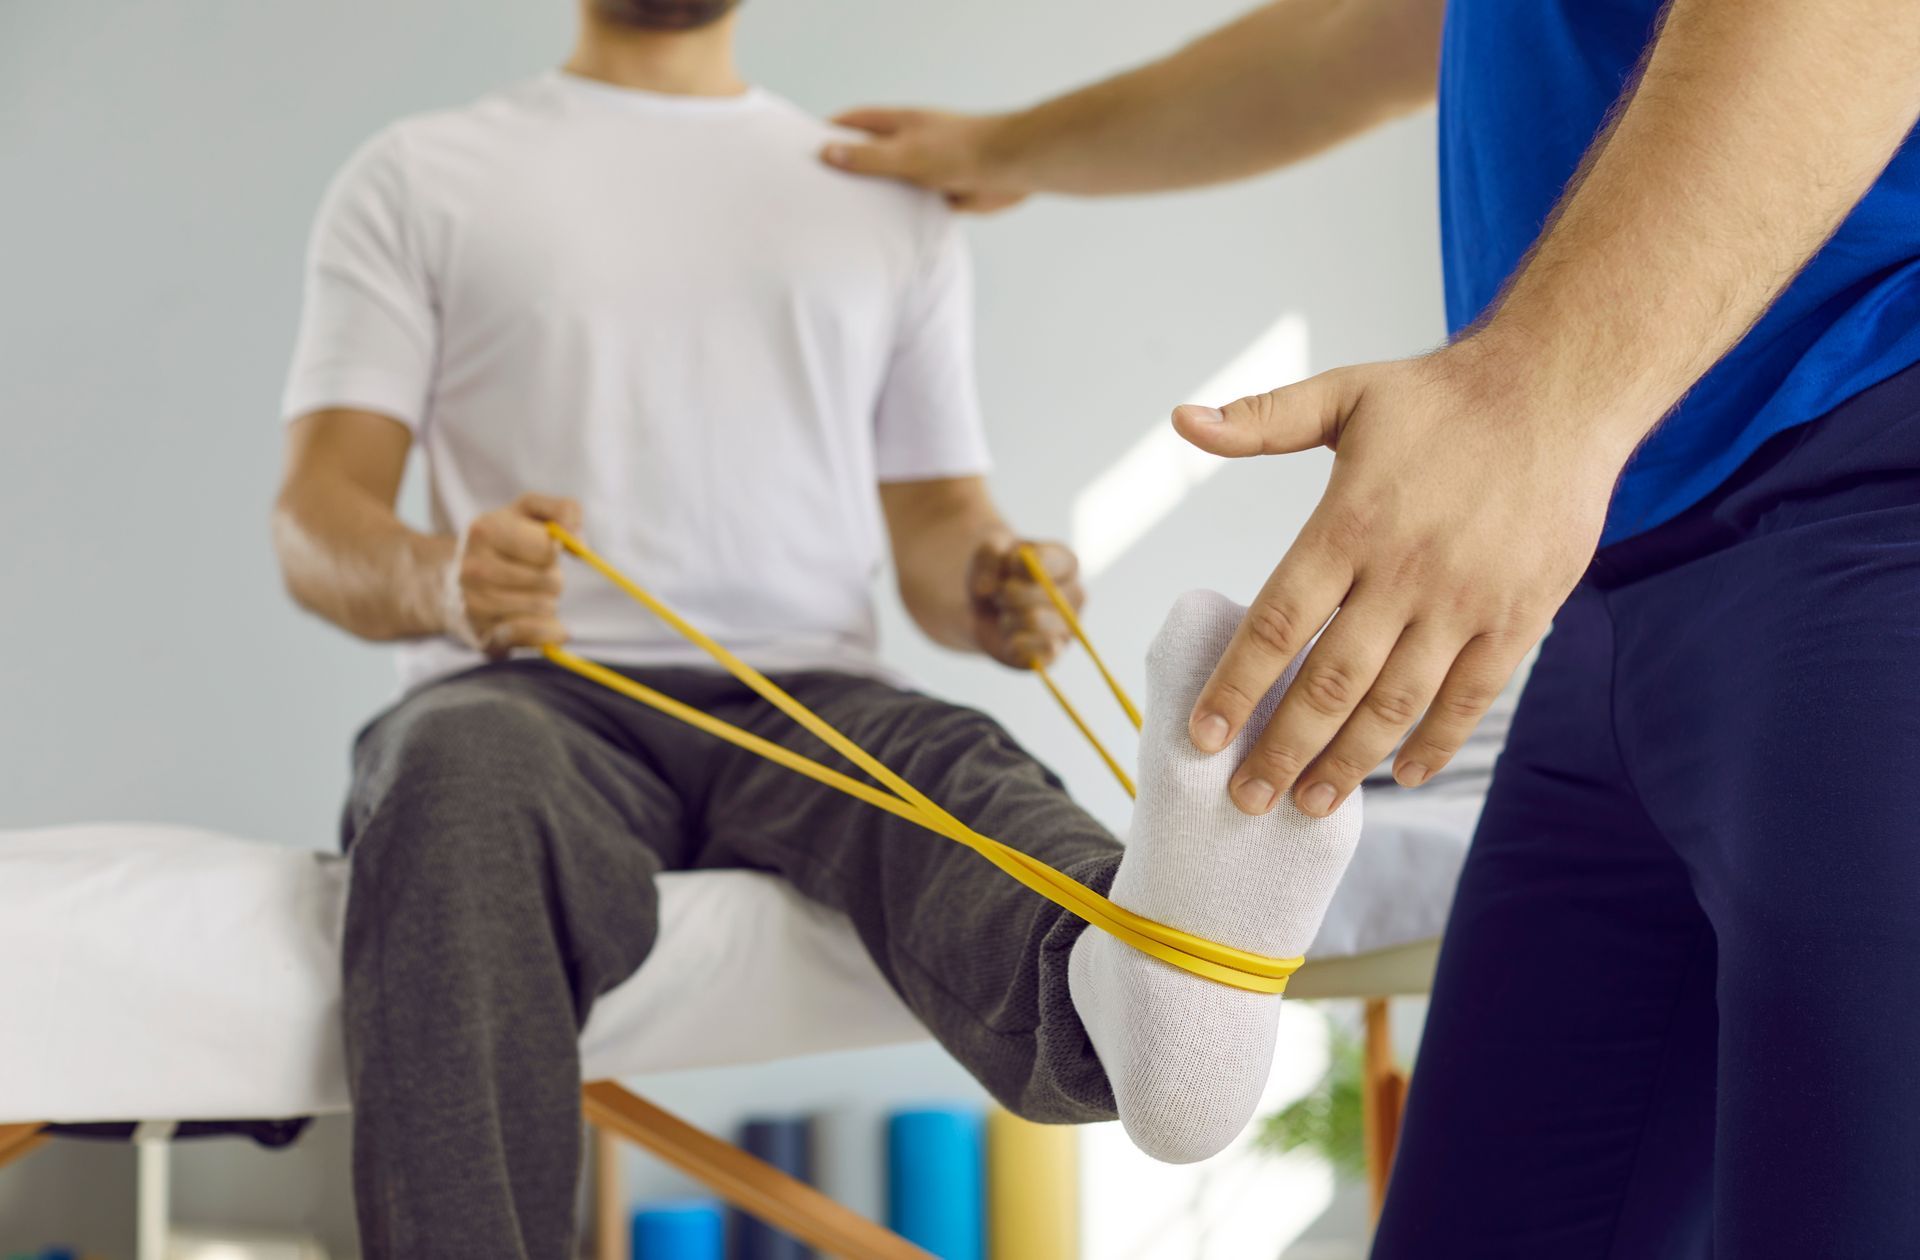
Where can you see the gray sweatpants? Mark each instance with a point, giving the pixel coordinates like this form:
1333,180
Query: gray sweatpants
505,826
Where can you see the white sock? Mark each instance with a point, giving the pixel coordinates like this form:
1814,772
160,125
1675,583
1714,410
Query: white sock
1188,1057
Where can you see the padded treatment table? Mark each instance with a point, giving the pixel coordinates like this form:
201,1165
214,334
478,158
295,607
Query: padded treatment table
168,973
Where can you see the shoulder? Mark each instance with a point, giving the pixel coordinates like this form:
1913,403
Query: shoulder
519,111
416,155
924,212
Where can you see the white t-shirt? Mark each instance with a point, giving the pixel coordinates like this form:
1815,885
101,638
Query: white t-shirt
669,309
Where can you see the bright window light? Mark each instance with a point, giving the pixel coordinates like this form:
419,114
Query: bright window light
1143,487
1240,1204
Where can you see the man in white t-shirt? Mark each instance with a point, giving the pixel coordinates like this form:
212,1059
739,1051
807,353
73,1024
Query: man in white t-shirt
626,297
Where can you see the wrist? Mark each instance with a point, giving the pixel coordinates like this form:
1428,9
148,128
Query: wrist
434,585
1592,411
1002,151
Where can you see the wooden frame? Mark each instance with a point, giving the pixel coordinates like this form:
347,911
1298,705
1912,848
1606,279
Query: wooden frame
763,1191
1398,971
19,1140
750,1184
610,1238
1383,1096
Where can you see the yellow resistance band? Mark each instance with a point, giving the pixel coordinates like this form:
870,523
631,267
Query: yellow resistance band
1214,961
1040,575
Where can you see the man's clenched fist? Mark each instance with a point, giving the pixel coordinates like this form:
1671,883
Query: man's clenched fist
503,587
1013,620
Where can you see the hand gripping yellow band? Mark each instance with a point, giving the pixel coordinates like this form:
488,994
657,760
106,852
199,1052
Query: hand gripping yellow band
1209,959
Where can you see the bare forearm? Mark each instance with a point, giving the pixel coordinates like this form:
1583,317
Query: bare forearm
346,557
968,580
1287,81
932,553
1754,129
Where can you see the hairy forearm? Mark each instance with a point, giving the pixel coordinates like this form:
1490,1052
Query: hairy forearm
1754,129
1284,82
346,557
936,528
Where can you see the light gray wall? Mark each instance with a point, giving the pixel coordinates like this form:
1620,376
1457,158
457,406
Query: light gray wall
159,162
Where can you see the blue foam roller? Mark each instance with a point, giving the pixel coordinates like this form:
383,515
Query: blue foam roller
936,1195
683,1229
786,1142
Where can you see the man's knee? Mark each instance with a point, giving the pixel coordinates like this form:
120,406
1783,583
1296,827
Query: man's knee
466,735
458,775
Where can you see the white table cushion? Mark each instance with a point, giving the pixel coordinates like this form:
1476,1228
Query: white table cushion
161,972
158,972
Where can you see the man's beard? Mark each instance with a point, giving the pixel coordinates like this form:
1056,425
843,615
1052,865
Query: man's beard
664,15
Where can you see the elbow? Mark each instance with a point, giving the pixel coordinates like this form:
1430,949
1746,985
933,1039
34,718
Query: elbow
292,552
1418,88
282,529
1414,57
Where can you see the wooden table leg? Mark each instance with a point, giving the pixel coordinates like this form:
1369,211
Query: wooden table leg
752,1185
1383,1095
611,1240
18,1140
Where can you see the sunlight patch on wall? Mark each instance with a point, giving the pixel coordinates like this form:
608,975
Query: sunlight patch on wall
1143,487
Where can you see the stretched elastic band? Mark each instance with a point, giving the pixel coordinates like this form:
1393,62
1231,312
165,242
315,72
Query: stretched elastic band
1073,714
1209,959
1061,606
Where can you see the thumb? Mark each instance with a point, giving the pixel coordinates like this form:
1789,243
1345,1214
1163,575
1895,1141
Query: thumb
1293,418
989,562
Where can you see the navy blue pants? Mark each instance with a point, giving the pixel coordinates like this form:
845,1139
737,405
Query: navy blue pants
1678,1007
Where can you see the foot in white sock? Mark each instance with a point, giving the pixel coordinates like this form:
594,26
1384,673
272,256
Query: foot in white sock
1188,1057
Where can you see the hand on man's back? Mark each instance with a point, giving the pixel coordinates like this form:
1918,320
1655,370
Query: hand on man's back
948,153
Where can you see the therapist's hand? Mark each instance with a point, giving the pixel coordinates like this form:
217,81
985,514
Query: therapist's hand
1463,507
949,153
503,588
1013,620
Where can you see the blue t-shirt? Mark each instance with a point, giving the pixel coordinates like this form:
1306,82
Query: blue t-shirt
1524,88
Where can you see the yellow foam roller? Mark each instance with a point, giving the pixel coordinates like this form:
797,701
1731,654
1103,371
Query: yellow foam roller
1033,1189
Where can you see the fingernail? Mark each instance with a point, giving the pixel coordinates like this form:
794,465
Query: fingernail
1318,799
1413,774
1210,733
835,153
1255,796
1205,415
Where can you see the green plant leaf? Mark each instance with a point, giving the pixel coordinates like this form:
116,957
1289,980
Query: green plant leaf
1326,1120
